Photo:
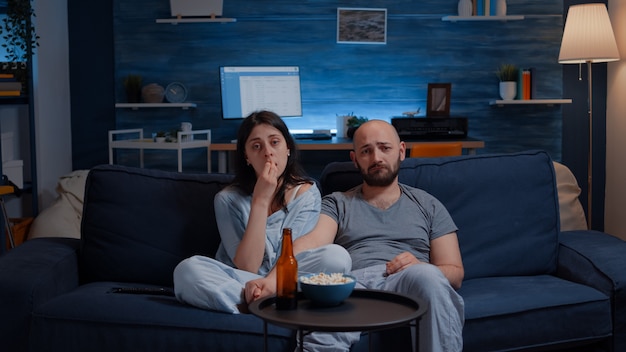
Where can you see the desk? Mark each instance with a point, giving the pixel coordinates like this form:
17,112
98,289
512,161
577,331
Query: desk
223,148
184,140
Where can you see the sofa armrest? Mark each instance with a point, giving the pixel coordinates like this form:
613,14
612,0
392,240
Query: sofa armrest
31,274
598,260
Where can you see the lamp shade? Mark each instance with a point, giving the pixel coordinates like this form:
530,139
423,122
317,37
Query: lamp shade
588,36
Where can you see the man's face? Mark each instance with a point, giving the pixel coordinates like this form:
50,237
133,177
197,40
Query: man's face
380,173
377,154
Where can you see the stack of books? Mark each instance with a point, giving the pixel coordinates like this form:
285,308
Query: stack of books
9,85
526,84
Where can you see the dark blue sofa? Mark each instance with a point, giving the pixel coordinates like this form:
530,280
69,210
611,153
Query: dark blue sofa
527,286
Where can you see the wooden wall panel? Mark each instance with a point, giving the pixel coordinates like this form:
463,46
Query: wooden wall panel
377,81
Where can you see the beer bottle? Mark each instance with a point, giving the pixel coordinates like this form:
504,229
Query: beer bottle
286,275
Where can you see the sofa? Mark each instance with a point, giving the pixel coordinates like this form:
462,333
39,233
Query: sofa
528,286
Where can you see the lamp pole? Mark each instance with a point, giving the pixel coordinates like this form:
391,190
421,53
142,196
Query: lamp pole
590,156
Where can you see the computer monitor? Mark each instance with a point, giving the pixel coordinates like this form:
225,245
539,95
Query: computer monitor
246,89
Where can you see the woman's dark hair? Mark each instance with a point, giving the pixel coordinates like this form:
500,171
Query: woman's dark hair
245,177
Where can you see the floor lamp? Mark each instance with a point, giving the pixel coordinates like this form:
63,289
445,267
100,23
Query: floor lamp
588,38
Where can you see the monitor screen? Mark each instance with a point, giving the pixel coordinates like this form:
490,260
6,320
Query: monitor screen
246,89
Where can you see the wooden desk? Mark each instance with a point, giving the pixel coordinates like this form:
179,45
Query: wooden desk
223,148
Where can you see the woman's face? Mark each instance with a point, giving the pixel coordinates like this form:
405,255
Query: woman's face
264,144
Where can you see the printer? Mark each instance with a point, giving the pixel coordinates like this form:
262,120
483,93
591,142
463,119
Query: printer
430,127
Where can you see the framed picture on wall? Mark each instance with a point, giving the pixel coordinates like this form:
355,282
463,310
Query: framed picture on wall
361,25
438,100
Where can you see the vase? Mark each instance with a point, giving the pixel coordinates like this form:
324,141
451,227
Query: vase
508,90
342,126
465,8
152,93
501,8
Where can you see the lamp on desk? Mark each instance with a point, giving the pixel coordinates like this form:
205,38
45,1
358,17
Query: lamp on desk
588,38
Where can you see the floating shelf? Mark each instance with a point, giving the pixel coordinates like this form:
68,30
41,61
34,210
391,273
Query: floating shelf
136,106
531,102
482,18
177,20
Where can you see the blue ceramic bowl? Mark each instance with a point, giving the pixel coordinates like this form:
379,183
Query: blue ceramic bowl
327,294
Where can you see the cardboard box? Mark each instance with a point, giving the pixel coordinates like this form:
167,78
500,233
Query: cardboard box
14,170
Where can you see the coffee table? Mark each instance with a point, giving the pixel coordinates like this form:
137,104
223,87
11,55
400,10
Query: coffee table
364,310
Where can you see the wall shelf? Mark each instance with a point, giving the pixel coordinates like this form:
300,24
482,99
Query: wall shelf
482,18
531,102
136,106
177,20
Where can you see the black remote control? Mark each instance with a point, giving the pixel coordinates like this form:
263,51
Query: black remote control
159,291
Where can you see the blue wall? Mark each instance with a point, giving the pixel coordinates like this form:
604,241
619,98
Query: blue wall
110,38
377,81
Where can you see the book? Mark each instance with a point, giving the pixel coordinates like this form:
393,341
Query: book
533,83
487,7
7,75
10,93
520,84
493,7
475,7
4,86
480,7
526,84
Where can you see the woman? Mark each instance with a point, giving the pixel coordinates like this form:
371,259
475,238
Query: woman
269,192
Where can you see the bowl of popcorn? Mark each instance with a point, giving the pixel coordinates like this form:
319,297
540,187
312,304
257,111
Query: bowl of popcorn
327,289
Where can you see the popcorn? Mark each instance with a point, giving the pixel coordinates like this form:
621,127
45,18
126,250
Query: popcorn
326,279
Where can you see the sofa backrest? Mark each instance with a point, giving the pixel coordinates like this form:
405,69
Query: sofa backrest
505,206
138,224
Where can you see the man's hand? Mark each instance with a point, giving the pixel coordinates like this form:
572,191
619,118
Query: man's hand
401,262
259,288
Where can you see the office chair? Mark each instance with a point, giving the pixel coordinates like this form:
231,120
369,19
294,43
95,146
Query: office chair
426,150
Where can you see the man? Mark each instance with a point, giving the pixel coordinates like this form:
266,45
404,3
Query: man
400,239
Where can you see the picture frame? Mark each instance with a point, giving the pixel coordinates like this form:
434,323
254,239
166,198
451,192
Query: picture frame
357,25
438,99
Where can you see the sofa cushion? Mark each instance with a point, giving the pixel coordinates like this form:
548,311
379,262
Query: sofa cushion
138,224
505,206
570,210
91,318
537,311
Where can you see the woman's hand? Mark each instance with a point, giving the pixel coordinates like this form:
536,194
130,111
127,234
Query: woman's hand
259,288
267,181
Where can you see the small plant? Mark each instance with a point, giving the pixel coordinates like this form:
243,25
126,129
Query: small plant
356,121
18,32
161,134
132,84
507,73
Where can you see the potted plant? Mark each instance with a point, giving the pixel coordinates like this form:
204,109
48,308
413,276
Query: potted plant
18,31
160,137
132,84
354,123
19,41
508,75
